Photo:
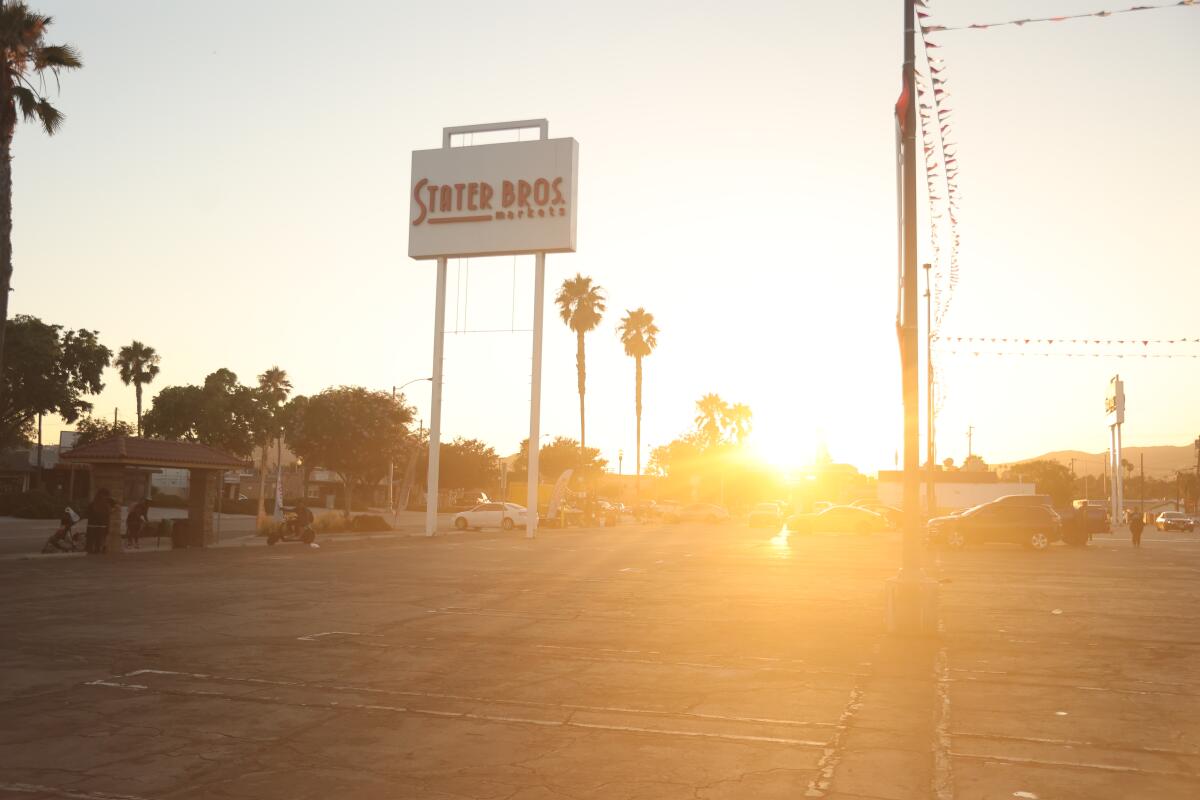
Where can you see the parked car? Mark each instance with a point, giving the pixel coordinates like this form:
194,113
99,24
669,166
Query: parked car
766,515
893,515
1035,526
838,519
1174,521
1025,500
703,512
492,515
1087,519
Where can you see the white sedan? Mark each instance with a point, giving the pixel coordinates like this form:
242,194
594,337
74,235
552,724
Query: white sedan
492,515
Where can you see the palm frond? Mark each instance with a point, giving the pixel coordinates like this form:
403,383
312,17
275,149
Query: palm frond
61,56
51,117
28,101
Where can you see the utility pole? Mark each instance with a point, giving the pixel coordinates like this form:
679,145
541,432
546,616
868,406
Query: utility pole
970,439
930,450
911,598
1142,488
392,471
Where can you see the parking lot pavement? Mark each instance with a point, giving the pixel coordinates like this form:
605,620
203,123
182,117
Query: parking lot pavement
1073,672
680,662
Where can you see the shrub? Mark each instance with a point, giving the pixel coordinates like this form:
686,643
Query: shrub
32,505
164,500
369,523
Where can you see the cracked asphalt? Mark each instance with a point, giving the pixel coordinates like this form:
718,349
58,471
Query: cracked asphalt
644,662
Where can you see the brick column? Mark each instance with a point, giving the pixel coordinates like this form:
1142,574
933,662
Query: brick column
202,500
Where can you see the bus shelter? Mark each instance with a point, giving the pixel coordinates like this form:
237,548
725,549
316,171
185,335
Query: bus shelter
123,465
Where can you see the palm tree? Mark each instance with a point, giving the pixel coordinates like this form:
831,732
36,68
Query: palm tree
138,364
581,306
639,335
739,420
712,417
24,60
271,394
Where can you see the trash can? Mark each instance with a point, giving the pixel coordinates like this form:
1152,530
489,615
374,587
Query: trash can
179,534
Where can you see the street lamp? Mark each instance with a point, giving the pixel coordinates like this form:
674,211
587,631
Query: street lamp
391,465
620,463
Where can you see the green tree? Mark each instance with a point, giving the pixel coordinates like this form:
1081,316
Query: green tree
740,420
25,58
47,370
138,364
97,429
639,336
1049,477
468,464
352,431
221,413
557,457
973,463
712,419
581,306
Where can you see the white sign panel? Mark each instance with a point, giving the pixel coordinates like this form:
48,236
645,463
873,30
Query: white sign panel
494,199
1114,402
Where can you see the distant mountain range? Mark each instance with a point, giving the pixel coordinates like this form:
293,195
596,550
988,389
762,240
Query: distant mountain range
1160,460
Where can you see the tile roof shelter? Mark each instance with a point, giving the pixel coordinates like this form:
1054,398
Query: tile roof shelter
119,465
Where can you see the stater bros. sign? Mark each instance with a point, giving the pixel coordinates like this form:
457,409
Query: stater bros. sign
495,199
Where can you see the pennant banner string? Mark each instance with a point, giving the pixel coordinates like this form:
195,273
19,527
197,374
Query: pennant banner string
1067,340
1061,18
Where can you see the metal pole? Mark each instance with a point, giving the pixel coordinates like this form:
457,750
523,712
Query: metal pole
435,413
1119,473
908,347
930,489
911,597
535,395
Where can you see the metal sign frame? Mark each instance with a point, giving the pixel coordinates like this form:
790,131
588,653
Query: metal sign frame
439,328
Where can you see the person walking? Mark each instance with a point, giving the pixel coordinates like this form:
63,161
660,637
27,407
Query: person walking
1137,523
135,520
97,521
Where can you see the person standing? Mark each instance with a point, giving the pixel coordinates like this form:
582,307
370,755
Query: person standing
97,521
135,520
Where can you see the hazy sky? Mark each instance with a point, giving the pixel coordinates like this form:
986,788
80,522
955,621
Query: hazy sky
231,187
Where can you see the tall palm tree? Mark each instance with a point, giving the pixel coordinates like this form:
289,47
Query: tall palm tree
138,364
740,422
581,306
712,418
271,395
25,58
639,335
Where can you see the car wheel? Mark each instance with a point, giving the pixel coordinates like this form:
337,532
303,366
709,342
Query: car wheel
507,524
955,540
460,524
1039,541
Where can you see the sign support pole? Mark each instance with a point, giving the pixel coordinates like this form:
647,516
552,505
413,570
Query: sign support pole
533,480
435,414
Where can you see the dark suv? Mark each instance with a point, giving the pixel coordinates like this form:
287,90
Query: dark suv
1034,526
